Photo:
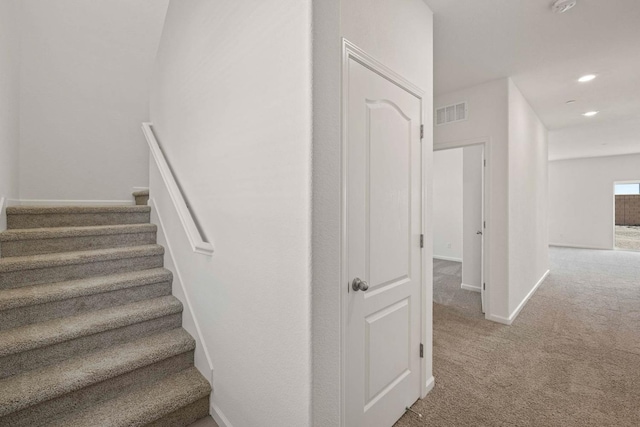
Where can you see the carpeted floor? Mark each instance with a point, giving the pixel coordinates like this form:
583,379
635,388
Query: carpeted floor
572,357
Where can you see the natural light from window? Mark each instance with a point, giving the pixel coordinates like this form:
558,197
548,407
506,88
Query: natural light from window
627,189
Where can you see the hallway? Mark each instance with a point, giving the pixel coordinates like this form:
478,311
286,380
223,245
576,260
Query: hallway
570,359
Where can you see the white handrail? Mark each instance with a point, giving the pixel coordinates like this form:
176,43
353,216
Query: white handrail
193,234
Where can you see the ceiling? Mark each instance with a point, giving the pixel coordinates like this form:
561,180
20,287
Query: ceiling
545,53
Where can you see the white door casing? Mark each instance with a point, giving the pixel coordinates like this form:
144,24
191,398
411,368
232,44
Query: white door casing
383,225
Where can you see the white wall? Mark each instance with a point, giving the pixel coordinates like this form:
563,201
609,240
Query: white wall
447,204
231,108
528,200
581,199
84,92
472,205
399,33
9,102
488,121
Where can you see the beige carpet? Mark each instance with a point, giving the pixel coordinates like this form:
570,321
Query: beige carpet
572,357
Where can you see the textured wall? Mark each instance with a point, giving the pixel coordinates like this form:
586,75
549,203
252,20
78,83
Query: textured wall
84,92
9,101
231,108
581,199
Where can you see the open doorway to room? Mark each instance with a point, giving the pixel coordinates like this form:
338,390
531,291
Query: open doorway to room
627,216
458,237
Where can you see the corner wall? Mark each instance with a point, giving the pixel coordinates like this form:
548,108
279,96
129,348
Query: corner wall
581,198
9,103
84,91
231,109
398,33
487,120
528,201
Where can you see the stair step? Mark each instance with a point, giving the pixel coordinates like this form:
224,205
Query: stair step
39,303
177,400
32,346
75,216
36,241
142,197
50,268
45,394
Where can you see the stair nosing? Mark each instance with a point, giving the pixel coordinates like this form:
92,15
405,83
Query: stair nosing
40,261
60,291
22,234
83,371
26,338
47,210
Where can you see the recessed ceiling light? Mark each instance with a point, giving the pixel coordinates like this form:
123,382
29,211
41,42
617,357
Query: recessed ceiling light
590,113
571,101
587,78
561,6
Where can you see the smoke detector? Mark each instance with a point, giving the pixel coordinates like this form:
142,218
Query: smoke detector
561,6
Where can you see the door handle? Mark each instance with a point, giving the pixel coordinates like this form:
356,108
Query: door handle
479,232
359,285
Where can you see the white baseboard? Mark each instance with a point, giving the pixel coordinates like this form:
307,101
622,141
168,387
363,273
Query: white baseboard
470,287
43,202
447,258
498,319
218,416
431,382
514,314
204,363
566,245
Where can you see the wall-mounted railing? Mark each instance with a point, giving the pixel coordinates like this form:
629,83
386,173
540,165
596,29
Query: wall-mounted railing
198,244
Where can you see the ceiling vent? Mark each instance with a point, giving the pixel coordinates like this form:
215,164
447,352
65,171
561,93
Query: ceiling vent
561,6
451,113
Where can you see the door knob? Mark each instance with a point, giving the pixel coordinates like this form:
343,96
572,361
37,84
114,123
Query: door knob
359,285
478,232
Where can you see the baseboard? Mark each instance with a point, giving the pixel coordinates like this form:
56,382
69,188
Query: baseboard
431,382
171,265
43,202
498,319
566,245
470,287
3,220
218,416
509,320
447,258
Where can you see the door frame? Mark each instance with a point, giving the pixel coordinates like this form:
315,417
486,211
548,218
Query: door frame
351,51
486,241
613,246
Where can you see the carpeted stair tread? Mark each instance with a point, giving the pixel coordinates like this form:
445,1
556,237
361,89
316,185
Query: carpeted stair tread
33,387
140,193
55,331
143,406
81,257
50,292
47,210
62,232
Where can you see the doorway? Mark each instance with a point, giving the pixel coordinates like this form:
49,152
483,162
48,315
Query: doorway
627,216
459,228
383,263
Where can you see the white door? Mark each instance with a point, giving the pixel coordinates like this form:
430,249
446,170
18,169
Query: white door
383,220
473,214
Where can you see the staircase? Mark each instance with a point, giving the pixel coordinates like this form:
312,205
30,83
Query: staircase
90,334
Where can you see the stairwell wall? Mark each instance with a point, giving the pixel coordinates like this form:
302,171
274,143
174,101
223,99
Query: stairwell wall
231,109
84,90
9,103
